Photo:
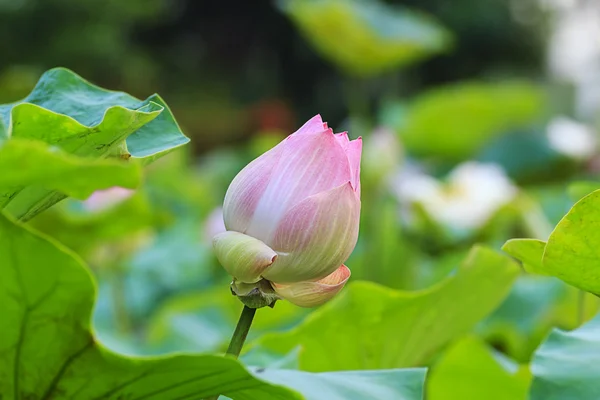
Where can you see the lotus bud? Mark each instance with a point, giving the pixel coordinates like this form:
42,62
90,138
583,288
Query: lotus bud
243,256
213,225
255,295
292,217
310,294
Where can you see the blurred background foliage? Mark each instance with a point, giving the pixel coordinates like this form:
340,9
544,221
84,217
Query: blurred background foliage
233,68
476,117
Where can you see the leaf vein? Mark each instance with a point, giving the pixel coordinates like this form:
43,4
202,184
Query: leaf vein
66,364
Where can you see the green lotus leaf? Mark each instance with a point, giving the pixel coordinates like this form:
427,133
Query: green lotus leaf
567,365
72,118
365,38
529,252
34,163
397,384
571,253
386,328
455,122
47,349
470,370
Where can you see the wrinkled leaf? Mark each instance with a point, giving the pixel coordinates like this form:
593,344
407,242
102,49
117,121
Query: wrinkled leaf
386,328
83,120
48,351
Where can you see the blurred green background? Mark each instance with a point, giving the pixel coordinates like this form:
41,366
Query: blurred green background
230,69
476,118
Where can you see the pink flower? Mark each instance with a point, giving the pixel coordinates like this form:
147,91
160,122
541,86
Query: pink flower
213,225
292,215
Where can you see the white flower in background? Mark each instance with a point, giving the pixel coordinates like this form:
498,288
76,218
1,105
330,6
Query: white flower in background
102,200
574,50
381,154
572,138
470,197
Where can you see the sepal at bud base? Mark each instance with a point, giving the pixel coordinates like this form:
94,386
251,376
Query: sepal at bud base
242,256
255,295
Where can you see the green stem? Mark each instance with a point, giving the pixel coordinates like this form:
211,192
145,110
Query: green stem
239,335
241,331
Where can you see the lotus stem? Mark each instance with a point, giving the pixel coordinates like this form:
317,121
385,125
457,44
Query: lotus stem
241,331
239,335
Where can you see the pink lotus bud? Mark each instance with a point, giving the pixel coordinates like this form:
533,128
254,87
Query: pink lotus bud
243,256
213,225
295,212
311,294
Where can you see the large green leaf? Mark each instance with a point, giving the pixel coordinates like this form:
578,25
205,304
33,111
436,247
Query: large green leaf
470,370
48,351
70,114
528,251
456,121
29,162
370,326
397,384
366,37
61,93
572,251
567,365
